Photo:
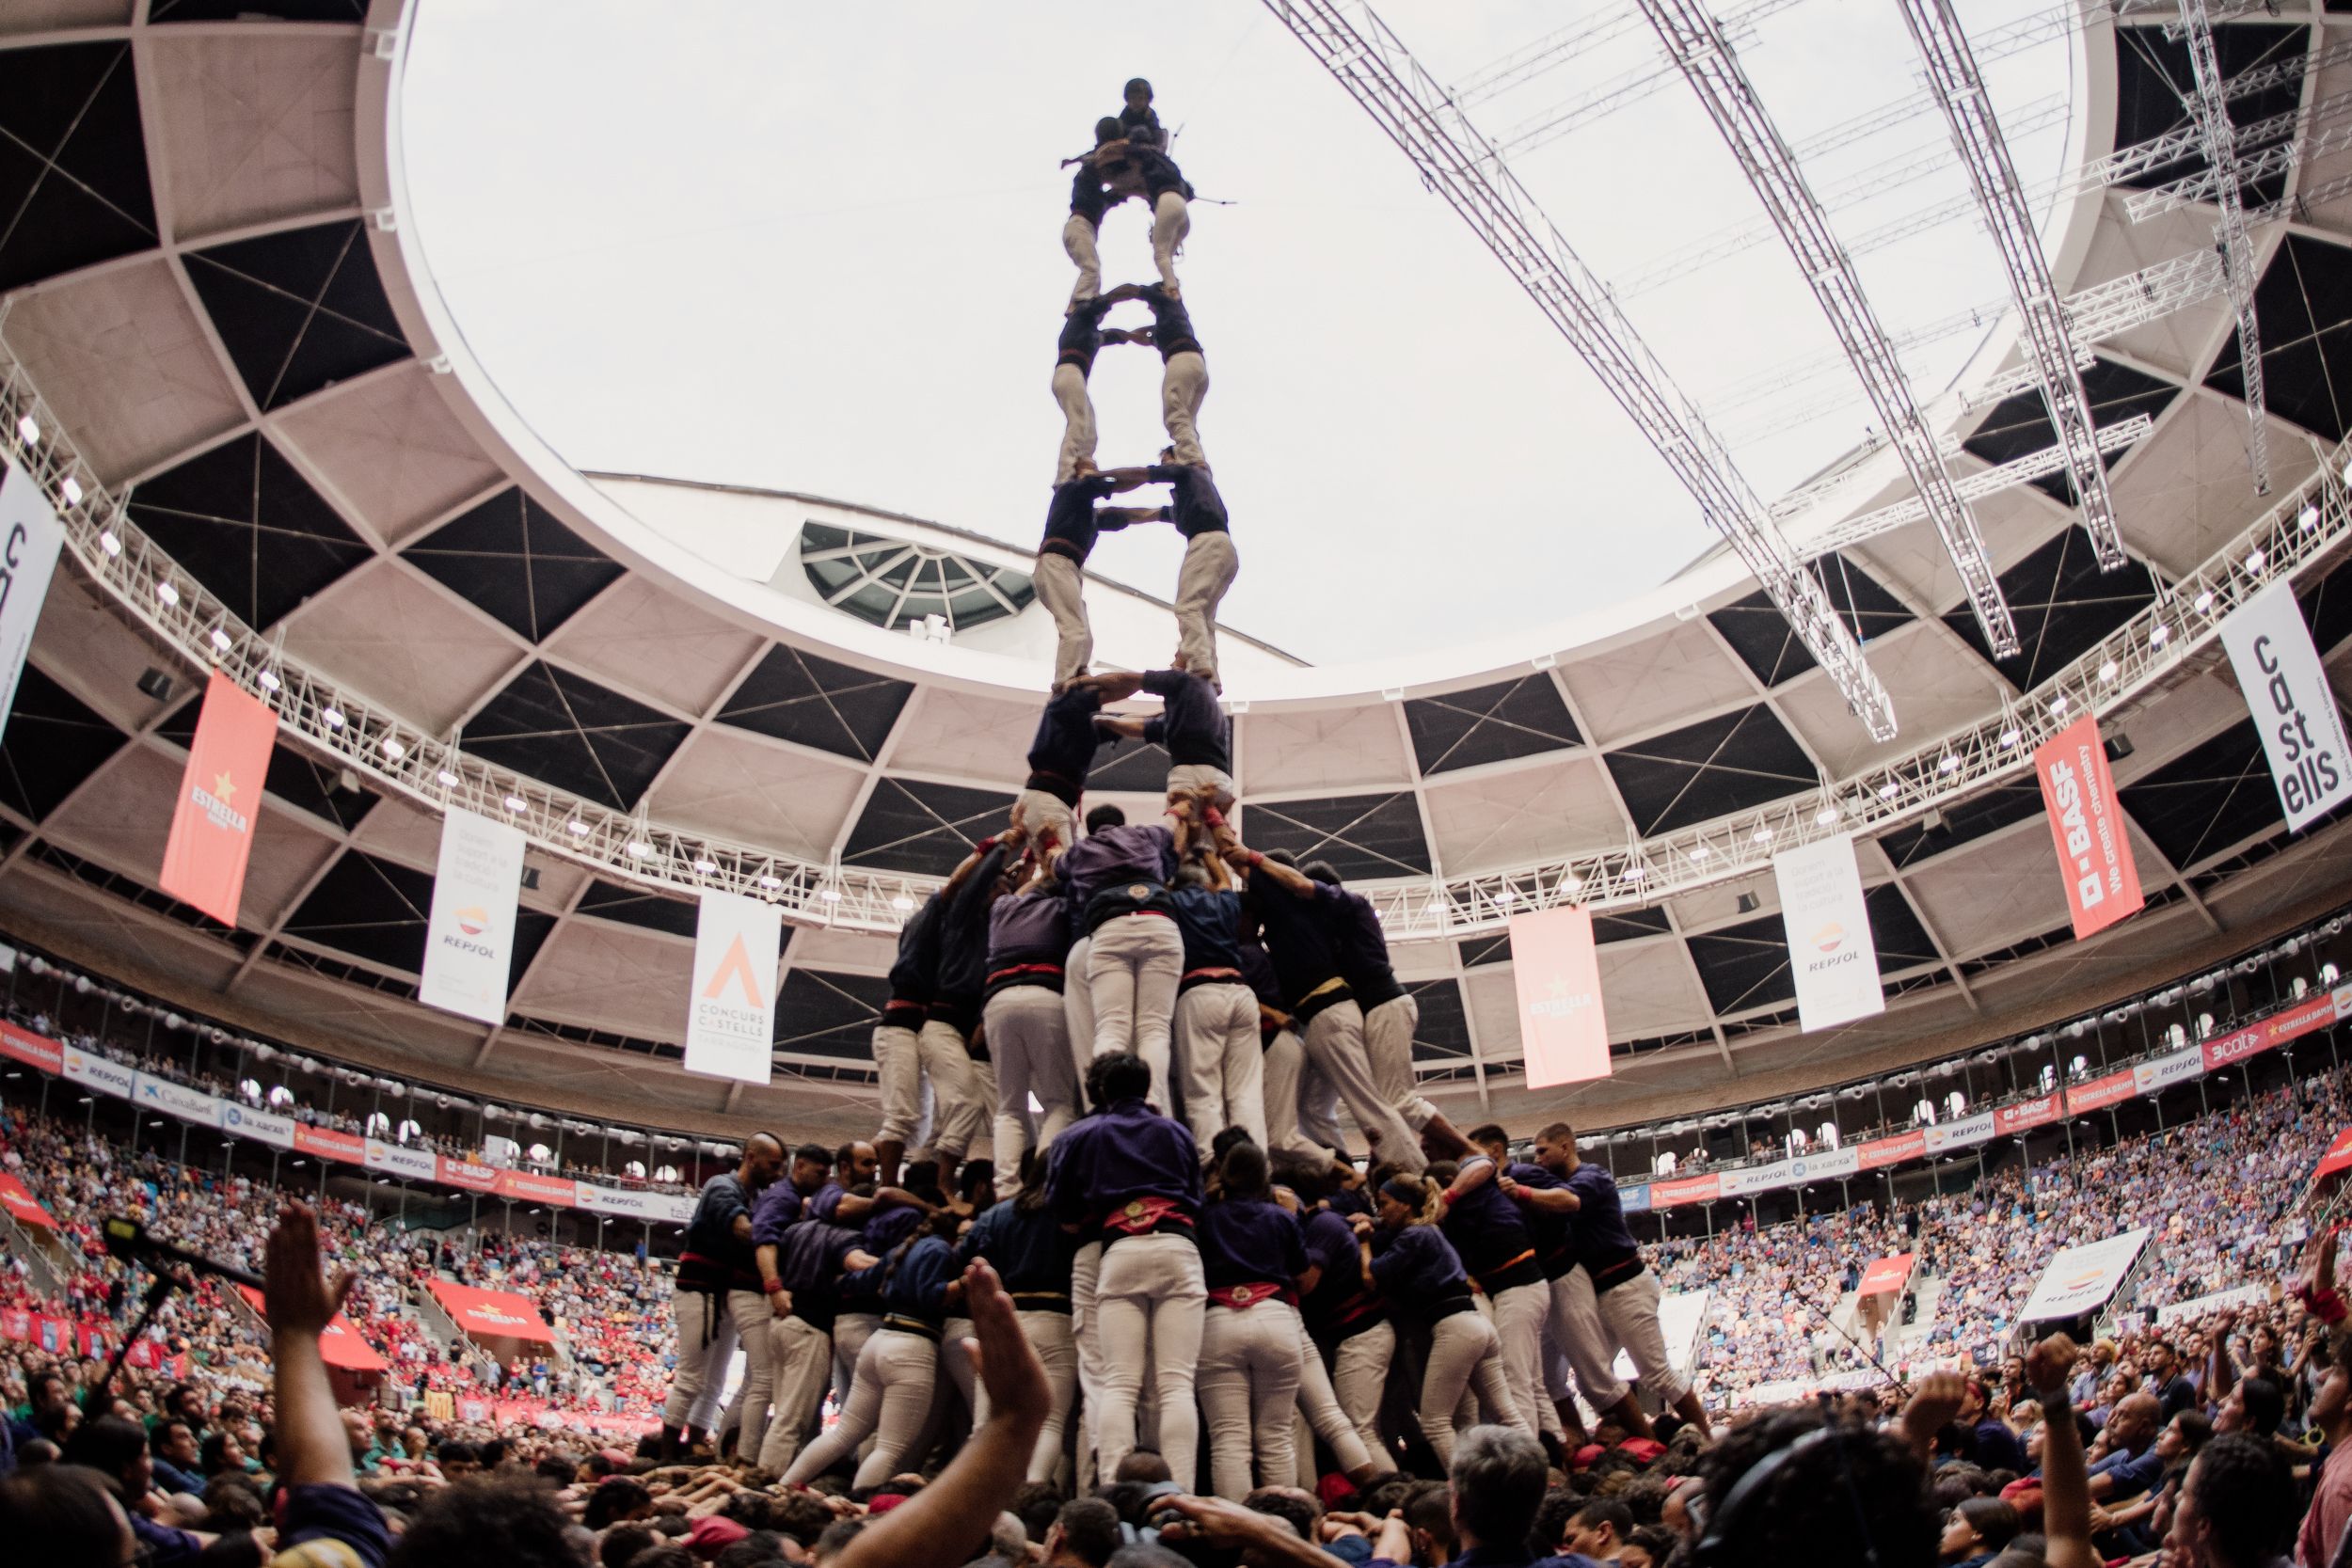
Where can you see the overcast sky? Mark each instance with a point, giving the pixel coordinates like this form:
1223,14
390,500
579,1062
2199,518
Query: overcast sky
817,248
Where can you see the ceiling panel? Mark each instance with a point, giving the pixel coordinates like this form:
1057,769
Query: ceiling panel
565,730
512,558
641,906
1489,723
1964,821
242,522
238,10
389,449
1511,818
824,1013
53,742
1984,897
2020,425
814,702
1719,766
74,184
2152,68
910,825
618,981
389,635
2186,494
1760,634
1646,989
966,735
1443,1032
1937,687
256,126
1367,836
746,789
2062,605
300,310
642,637
2304,307
1672,674
2208,799
1336,751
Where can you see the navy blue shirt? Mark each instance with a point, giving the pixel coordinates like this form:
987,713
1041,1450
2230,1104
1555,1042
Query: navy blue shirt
1082,333
886,1229
1485,1228
1554,1234
714,1258
1194,503
1030,1251
809,1263
1364,950
1211,921
1418,1272
1341,1304
1088,197
1298,939
1063,753
913,972
1603,1245
917,1288
1250,1242
778,1209
1070,522
963,944
1113,1157
1191,723
859,1290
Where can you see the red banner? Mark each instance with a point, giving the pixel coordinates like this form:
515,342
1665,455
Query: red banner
1562,1034
2339,1156
1688,1189
23,1045
527,1188
1894,1150
491,1314
339,1346
2112,1089
220,795
1887,1275
2026,1114
327,1144
2275,1030
22,1206
471,1175
2087,823
16,1323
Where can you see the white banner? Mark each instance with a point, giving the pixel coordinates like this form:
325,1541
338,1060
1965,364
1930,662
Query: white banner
162,1094
2184,1311
2165,1071
394,1160
633,1202
470,944
29,539
244,1121
1814,1167
1962,1134
2081,1279
93,1072
2287,691
1828,925
731,1022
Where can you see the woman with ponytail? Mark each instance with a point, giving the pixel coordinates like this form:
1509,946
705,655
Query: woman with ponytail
897,1370
1255,1264
1404,1257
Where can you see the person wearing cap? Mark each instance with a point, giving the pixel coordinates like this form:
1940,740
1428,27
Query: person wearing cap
1405,1258
809,1261
1027,1021
1192,726
1294,914
1115,881
1073,522
1255,1266
1061,754
1082,335
1495,1247
1127,1182
1035,1256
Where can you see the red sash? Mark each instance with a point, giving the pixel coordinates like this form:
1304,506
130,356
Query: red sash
1239,1296
1144,1214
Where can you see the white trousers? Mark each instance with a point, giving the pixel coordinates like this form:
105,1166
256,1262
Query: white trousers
851,1330
752,1315
1028,1038
1389,1044
1133,969
1576,1328
1464,1356
1250,1372
1056,1346
1149,1296
1218,1062
1078,421
1077,241
899,1059
1335,1045
1171,220
1520,1313
1628,1319
1046,818
1209,568
706,1345
1360,1374
1061,589
959,1109
1183,383
802,1356
896,1375
1085,1269
1324,1417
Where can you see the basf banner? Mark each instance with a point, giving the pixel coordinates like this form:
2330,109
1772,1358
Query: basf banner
1829,951
29,540
2294,708
1562,1032
470,944
2081,1279
731,1025
212,827
2086,820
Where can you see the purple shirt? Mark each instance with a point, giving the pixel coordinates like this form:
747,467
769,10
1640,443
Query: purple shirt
1485,1228
1341,1304
1416,1269
1248,1242
1554,1234
1363,951
1115,1156
1130,852
1603,1245
1032,926
779,1209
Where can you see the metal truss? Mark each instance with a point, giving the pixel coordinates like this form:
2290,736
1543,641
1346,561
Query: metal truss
1456,161
2166,642
1705,55
2209,111
1564,118
2269,163
2116,307
1532,61
396,757
1958,89
1976,486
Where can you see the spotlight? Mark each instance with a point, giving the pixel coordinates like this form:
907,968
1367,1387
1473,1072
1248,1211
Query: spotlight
29,428
1889,790
707,867
449,780
394,748
1701,853
771,882
1947,764
639,848
2159,635
332,718
2307,519
2058,704
1761,835
901,903
830,894
1744,904
154,683
2010,737
576,828
269,680
2254,560
2202,604
70,488
515,803
2110,669
166,593
221,639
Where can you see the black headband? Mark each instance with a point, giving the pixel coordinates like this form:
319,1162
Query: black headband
1405,1188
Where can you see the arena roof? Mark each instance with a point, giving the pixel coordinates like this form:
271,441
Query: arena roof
214,291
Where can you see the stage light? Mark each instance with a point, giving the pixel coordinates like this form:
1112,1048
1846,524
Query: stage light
449,780
1761,835
2307,519
221,639
901,903
515,803
394,748
29,428
2159,635
771,882
1947,764
1889,790
1825,818
2254,560
2202,604
70,488
2010,737
109,543
707,867
268,679
332,718
2058,704
576,828
166,593
639,848
1701,853
830,894
2110,669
